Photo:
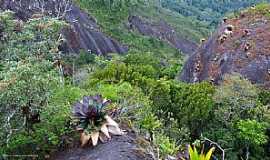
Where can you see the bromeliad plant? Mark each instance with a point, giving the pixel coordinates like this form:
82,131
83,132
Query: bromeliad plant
92,121
194,155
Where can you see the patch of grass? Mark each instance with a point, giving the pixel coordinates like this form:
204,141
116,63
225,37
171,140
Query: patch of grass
262,9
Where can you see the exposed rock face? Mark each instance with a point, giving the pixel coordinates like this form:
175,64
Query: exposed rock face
119,148
162,31
240,45
84,32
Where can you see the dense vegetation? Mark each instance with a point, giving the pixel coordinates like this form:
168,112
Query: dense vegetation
209,11
36,97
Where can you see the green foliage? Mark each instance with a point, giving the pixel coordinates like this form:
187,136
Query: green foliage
166,145
114,92
148,121
210,11
236,101
140,84
113,17
188,27
7,25
54,124
27,82
111,13
85,58
27,93
138,69
194,155
239,95
264,97
114,5
262,8
252,132
66,95
35,38
142,59
189,105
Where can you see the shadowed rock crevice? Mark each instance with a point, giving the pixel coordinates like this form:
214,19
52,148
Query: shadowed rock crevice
83,33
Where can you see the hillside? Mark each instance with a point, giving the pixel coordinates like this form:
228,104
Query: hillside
244,50
115,22
99,80
83,32
187,27
162,31
209,11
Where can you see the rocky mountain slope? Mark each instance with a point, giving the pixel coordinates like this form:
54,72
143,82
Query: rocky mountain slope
241,45
83,33
162,31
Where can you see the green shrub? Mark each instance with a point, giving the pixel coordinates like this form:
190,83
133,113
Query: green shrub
252,132
262,8
189,105
25,43
165,145
264,97
236,101
85,58
240,96
30,124
28,89
148,121
251,135
48,134
142,59
114,92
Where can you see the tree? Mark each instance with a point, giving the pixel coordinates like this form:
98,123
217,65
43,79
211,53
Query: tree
251,133
27,52
189,105
26,93
237,106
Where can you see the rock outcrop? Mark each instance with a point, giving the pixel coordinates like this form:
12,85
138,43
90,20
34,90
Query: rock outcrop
83,33
125,147
162,31
240,45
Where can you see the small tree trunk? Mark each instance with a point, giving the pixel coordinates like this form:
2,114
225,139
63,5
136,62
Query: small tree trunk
247,152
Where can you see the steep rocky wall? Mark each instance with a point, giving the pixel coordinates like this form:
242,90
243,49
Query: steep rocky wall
244,50
162,31
83,32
